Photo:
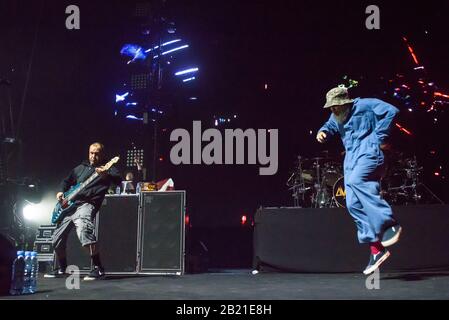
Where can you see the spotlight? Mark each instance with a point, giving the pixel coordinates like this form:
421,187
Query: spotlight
190,70
121,97
30,211
175,49
132,155
132,117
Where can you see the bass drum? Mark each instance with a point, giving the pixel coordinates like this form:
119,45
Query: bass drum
339,193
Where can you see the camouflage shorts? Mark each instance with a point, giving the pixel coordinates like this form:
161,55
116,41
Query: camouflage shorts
83,220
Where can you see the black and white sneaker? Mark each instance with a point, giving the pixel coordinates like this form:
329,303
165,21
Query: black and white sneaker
391,235
96,274
57,273
375,260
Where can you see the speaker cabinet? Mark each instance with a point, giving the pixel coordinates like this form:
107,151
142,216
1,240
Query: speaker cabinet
137,234
162,233
117,230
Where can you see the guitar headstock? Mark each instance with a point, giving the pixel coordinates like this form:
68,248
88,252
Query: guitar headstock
113,161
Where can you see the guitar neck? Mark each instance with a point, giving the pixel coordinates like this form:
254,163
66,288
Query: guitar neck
82,186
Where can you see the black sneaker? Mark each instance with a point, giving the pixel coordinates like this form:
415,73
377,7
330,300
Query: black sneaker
96,274
375,260
391,235
57,273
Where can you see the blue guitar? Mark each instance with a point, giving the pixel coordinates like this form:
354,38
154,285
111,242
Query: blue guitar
67,205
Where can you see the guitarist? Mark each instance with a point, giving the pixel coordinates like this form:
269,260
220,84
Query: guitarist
88,202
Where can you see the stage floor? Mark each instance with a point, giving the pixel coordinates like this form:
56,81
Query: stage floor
242,285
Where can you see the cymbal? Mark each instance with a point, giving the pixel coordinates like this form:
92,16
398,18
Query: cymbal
308,175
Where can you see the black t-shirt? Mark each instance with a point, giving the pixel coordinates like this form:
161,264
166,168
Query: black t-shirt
94,192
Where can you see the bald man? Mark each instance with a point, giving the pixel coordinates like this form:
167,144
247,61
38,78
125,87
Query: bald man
87,202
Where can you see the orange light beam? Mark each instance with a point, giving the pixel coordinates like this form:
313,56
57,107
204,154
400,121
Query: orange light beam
439,94
403,129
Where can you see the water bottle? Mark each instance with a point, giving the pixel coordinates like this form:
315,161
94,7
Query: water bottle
27,273
18,267
117,190
34,272
139,187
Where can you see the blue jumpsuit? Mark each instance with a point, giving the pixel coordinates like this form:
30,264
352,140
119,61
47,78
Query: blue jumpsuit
366,128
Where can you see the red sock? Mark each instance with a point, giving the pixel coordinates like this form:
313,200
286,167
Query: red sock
376,247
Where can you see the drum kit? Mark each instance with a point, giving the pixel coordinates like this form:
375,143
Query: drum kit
318,183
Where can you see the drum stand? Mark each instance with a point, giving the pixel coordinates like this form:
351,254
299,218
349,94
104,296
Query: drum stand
413,174
298,187
321,198
414,187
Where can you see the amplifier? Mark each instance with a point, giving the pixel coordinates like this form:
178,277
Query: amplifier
43,246
45,257
137,234
117,228
161,238
45,232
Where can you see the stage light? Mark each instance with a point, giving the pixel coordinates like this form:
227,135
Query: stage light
175,49
121,97
243,219
193,98
30,211
170,42
190,70
134,51
140,81
439,94
151,49
39,212
163,45
133,117
216,122
131,104
412,53
132,155
401,128
188,79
